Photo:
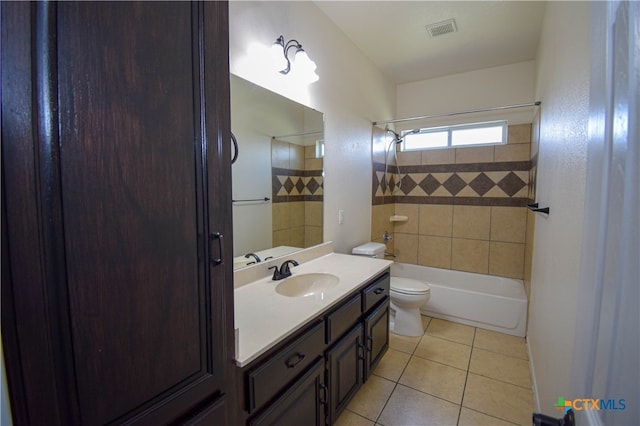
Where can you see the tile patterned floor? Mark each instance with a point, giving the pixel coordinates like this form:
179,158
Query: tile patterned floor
452,375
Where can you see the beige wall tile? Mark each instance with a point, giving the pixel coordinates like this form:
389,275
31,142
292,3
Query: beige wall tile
519,133
313,164
296,157
439,156
406,247
310,151
508,224
411,225
281,238
471,222
296,214
436,219
279,154
513,152
313,212
470,255
312,236
380,220
297,237
434,251
476,154
506,259
407,158
281,216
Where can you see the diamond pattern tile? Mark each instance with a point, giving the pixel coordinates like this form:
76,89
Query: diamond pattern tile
429,184
481,184
454,184
407,184
299,185
511,184
313,185
288,185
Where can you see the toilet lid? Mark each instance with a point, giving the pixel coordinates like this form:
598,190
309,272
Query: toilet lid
409,286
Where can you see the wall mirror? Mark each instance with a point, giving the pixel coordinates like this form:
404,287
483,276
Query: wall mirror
278,186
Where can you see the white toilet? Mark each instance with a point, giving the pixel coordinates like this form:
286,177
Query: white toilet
407,296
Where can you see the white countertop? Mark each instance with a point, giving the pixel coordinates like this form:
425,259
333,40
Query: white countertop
264,318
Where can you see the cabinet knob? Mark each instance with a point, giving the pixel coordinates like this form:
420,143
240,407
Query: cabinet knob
379,290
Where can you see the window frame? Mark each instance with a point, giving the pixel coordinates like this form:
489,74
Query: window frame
452,128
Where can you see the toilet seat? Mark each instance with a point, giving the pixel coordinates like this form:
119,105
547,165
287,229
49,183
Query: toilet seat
409,286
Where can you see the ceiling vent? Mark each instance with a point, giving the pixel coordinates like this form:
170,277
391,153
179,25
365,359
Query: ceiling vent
441,28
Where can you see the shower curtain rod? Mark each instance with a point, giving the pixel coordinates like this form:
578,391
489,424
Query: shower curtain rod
297,134
450,114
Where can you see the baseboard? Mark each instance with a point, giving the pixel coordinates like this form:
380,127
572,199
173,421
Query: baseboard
534,384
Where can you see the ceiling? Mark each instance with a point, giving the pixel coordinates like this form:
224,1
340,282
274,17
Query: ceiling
393,35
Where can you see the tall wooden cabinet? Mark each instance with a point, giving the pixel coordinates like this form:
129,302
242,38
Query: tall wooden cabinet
117,292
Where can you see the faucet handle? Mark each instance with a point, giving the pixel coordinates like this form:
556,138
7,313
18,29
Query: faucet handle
276,273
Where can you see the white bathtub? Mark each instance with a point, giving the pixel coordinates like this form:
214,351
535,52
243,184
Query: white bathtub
485,301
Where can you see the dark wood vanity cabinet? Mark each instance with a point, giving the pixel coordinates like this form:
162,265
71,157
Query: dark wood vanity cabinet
117,280
304,376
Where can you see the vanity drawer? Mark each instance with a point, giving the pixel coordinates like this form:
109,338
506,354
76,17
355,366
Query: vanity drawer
343,318
376,292
270,378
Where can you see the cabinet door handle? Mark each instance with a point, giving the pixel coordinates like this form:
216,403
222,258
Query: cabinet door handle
216,236
369,343
323,399
379,290
294,360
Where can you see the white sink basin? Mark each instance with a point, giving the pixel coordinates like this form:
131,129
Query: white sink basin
307,285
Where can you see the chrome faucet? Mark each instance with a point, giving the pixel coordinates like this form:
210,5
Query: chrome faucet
284,271
255,256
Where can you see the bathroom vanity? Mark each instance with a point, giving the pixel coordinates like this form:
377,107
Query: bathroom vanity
302,359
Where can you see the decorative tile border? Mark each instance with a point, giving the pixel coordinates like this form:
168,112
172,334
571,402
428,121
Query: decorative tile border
288,185
479,184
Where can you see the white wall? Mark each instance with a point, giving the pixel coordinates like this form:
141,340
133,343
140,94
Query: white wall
487,88
351,93
562,85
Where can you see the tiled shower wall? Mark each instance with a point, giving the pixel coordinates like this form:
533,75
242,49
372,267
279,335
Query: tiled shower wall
297,191
466,207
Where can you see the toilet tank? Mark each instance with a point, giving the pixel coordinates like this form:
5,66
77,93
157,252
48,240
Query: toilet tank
370,250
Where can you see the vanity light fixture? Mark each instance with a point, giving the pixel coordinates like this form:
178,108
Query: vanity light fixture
304,66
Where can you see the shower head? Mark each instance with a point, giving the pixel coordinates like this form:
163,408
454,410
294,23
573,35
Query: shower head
397,138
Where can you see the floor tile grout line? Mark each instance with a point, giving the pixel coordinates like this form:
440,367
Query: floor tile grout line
502,381
466,377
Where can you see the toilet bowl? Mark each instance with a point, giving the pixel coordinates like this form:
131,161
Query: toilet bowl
407,296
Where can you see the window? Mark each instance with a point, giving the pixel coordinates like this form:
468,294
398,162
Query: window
488,133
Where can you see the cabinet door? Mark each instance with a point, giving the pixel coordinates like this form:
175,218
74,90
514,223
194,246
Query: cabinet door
130,176
376,327
345,362
303,403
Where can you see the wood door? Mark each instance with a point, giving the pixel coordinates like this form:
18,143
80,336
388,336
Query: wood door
376,327
345,363
124,158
